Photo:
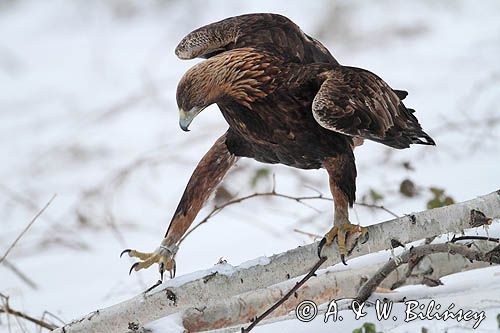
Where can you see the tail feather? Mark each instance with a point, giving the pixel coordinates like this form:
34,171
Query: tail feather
423,136
413,130
401,94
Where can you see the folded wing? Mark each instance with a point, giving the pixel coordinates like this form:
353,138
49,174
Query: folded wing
271,32
358,103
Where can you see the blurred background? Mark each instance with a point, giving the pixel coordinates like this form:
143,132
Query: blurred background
88,112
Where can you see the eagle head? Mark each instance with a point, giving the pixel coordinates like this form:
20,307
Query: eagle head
242,75
196,90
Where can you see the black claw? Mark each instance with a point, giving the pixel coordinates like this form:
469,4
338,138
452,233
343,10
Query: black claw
161,271
366,237
125,251
322,243
132,268
342,258
172,273
153,286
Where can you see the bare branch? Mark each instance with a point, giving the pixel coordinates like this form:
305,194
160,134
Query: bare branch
377,207
272,193
20,274
287,296
38,322
313,236
489,239
9,311
26,228
423,250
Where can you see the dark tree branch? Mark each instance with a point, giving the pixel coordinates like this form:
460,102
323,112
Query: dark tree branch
26,228
311,273
20,274
489,239
369,286
273,193
9,311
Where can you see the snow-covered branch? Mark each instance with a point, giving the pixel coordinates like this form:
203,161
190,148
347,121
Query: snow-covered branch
204,288
328,285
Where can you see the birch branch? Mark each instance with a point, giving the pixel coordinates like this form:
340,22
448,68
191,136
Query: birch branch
199,289
241,309
367,289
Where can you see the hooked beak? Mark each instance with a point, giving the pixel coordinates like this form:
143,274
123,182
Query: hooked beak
185,118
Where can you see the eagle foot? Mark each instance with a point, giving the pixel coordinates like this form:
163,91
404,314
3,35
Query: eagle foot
163,256
344,234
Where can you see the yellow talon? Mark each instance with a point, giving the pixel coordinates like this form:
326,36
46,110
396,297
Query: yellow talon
342,233
163,256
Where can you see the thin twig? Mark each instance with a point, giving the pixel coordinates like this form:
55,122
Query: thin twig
489,239
377,207
412,264
311,273
20,274
217,209
273,193
23,200
313,189
5,302
313,236
27,227
7,309
47,314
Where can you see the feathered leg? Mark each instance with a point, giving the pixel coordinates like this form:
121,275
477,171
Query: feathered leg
205,178
342,172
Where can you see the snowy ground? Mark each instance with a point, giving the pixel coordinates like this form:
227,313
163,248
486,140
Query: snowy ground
87,111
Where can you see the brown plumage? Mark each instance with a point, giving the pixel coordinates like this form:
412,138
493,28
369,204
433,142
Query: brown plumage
297,114
355,102
288,101
245,75
265,31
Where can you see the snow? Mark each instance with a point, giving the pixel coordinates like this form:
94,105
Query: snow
168,324
87,111
254,262
224,269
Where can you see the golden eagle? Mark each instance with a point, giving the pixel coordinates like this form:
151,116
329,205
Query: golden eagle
286,100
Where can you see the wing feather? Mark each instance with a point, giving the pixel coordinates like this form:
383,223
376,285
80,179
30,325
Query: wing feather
273,32
358,103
